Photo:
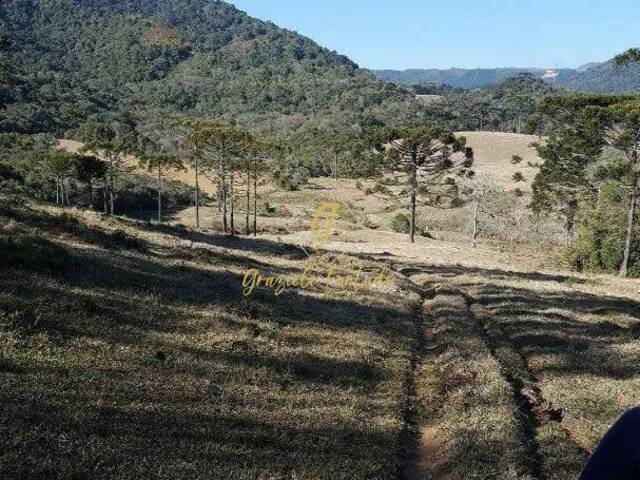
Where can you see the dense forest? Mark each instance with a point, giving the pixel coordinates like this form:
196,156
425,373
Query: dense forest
508,106
80,59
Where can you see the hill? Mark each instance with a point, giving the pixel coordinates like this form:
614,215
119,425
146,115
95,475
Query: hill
464,78
508,106
81,59
603,77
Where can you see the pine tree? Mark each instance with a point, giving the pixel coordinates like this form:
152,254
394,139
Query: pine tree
425,158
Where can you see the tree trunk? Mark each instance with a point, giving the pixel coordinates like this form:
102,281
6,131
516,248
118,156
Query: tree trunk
159,194
255,204
233,226
335,175
628,243
476,213
197,199
64,194
91,194
414,185
57,190
104,194
111,188
68,189
248,231
224,205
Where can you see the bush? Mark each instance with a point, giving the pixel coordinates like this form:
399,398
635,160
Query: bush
516,159
136,193
518,177
401,223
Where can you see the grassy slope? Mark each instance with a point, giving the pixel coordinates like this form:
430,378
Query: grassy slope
565,346
126,351
493,165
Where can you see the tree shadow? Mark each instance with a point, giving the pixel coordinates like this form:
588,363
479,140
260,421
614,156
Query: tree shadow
577,345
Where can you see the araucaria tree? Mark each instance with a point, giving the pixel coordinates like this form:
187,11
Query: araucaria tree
595,140
427,160
113,141
89,168
629,143
60,166
155,160
218,150
258,160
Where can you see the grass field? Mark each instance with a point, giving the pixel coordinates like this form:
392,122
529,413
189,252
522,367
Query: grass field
128,350
127,353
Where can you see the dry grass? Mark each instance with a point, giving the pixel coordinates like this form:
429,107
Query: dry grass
567,345
467,401
127,350
493,154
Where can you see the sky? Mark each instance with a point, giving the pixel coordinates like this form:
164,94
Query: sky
400,34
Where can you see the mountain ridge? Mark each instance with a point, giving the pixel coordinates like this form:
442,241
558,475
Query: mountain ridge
600,77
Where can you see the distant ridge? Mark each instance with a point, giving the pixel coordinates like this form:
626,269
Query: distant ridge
603,77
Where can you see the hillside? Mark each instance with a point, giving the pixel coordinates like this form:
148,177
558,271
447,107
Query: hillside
603,77
460,77
147,59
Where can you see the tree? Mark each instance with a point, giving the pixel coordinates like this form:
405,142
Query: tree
424,157
217,151
160,162
623,133
482,196
113,140
263,152
630,56
628,141
87,169
585,126
574,143
61,166
190,145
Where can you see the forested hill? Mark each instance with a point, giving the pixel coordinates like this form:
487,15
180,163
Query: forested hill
597,77
461,77
78,59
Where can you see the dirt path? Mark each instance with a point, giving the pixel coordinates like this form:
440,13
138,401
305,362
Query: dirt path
505,385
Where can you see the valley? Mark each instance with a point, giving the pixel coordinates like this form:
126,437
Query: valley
229,252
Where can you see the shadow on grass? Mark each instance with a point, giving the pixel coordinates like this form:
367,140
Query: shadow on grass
577,344
151,363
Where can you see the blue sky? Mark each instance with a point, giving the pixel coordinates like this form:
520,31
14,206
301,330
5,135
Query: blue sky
400,34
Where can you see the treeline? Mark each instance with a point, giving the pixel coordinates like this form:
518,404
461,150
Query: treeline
591,178
509,106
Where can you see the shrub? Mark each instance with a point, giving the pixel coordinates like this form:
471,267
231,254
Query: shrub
516,159
518,177
401,223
